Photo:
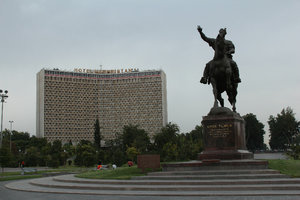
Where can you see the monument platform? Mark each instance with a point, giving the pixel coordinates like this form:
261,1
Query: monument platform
224,136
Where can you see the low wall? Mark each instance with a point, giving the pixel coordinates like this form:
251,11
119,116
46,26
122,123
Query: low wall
151,161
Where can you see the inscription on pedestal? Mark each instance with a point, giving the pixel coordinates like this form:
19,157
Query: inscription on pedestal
219,130
219,135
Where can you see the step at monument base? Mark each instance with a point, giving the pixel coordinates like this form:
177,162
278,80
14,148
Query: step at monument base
216,164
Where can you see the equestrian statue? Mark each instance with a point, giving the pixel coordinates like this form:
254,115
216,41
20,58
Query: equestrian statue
222,72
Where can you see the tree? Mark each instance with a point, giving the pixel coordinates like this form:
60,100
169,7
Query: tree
118,157
69,149
184,147
85,154
20,136
37,142
295,153
196,134
166,141
97,135
170,152
32,156
21,140
135,137
168,134
254,133
46,153
132,153
56,154
5,157
283,128
193,143
114,153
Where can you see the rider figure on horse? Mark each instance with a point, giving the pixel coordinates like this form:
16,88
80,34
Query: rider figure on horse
229,50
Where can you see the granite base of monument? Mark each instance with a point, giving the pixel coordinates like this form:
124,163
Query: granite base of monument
224,136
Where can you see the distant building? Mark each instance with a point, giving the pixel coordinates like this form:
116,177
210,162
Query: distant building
69,102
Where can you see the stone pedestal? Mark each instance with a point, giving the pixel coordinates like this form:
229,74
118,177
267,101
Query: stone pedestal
224,136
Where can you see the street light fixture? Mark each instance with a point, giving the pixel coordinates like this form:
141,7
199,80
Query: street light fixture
3,96
10,134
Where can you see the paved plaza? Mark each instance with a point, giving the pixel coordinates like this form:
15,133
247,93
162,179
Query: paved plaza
7,194
270,156
66,194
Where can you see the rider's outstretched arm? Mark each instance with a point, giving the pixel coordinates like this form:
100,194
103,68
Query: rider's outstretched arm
203,36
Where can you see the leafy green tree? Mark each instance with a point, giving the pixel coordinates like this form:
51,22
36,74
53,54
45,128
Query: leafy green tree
174,146
56,147
97,135
102,155
168,134
46,154
114,153
134,137
184,149
85,154
132,153
295,153
32,156
87,142
196,138
69,149
88,156
37,142
54,154
6,134
283,129
34,151
54,161
170,152
20,136
118,157
196,134
5,157
189,145
254,133
21,140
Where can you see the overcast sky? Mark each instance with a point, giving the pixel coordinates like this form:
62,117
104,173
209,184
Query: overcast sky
156,34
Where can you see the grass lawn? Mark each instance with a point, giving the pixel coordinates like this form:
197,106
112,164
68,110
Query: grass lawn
288,167
122,173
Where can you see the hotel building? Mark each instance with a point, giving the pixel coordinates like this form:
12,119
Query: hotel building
69,102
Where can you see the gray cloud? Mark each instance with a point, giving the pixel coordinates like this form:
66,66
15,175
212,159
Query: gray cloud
153,34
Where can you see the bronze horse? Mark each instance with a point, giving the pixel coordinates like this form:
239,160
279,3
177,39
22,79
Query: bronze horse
220,72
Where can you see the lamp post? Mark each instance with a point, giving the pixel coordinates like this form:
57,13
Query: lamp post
10,134
3,96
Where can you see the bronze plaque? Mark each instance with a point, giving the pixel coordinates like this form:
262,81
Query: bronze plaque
219,135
